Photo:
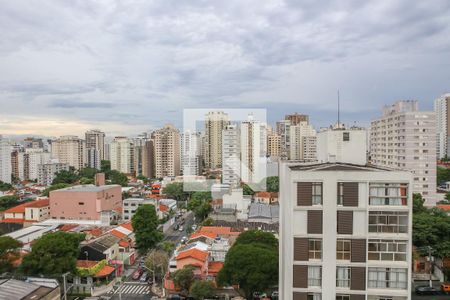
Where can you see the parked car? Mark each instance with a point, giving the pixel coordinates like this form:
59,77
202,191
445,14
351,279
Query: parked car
445,287
143,277
426,290
137,274
184,239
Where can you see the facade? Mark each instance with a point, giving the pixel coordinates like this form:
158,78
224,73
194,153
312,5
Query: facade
191,153
345,232
122,155
95,139
32,159
231,156
46,172
442,110
405,138
130,205
342,145
167,152
296,118
85,202
33,143
70,150
273,144
17,164
302,142
253,152
148,159
5,161
283,130
33,211
215,123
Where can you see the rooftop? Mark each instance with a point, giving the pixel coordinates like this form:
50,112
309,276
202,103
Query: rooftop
334,167
88,188
194,253
261,210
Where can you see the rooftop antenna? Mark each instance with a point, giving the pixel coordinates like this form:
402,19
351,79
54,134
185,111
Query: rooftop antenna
338,111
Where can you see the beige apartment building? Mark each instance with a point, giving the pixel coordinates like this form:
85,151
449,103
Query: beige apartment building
442,110
273,144
122,155
70,150
167,151
302,142
405,138
215,123
345,232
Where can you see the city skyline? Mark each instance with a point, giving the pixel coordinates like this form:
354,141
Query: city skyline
134,68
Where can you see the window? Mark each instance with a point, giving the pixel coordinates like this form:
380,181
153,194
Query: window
343,277
390,250
343,249
388,222
315,249
314,297
340,197
388,194
80,203
316,193
314,276
342,297
346,136
394,278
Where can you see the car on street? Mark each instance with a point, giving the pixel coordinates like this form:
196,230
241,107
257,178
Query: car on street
184,239
143,277
426,290
137,274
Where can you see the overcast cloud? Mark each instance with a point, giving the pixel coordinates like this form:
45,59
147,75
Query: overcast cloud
130,66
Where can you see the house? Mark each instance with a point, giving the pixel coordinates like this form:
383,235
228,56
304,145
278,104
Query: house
194,257
105,247
266,197
41,289
28,212
93,277
263,213
130,205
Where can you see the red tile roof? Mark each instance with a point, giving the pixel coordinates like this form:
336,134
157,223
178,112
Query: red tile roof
217,230
124,244
215,266
127,226
16,209
68,227
21,207
12,220
262,194
96,232
105,271
210,235
445,207
39,203
118,234
193,253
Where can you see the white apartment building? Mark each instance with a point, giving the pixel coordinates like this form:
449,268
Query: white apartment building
122,155
47,171
5,160
231,156
253,152
283,130
70,150
215,123
302,142
442,110
167,152
95,145
191,153
345,232
130,205
405,138
342,145
33,158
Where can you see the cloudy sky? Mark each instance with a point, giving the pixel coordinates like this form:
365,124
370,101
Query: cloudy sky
130,66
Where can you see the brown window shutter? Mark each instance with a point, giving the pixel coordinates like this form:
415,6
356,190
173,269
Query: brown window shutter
304,193
351,192
300,296
357,297
301,249
314,222
358,278
358,250
344,222
300,276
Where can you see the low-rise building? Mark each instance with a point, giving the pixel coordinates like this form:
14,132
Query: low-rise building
130,205
32,289
28,212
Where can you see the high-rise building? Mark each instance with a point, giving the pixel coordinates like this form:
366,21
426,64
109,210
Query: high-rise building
148,159
167,151
47,171
342,145
95,146
122,155
405,138
17,164
253,151
215,123
273,144
107,146
32,158
345,232
283,130
70,150
5,161
35,143
296,118
139,147
442,110
191,153
231,156
302,142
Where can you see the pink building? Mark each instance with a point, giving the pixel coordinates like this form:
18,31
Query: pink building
85,202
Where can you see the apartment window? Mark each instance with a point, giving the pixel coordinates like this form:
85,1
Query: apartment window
346,136
389,250
340,196
314,276
314,297
315,249
395,278
80,203
342,297
316,193
388,222
343,249
388,194
343,277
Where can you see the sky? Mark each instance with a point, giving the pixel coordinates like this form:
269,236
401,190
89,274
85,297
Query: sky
131,66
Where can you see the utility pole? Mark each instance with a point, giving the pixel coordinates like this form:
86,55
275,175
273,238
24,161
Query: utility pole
65,285
431,266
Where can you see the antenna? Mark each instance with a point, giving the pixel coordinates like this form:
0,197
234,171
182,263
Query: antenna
338,111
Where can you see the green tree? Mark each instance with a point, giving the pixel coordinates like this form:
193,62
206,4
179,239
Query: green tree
87,173
447,196
272,183
8,202
175,191
145,225
144,179
184,278
442,175
5,186
54,187
253,267
65,176
257,237
9,251
167,246
418,203
53,254
208,222
157,261
200,208
247,190
105,166
202,289
115,177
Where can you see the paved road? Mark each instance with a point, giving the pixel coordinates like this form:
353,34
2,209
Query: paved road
175,236
130,291
434,297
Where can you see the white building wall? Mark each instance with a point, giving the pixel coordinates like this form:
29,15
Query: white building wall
5,160
442,109
122,155
231,156
190,153
333,147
